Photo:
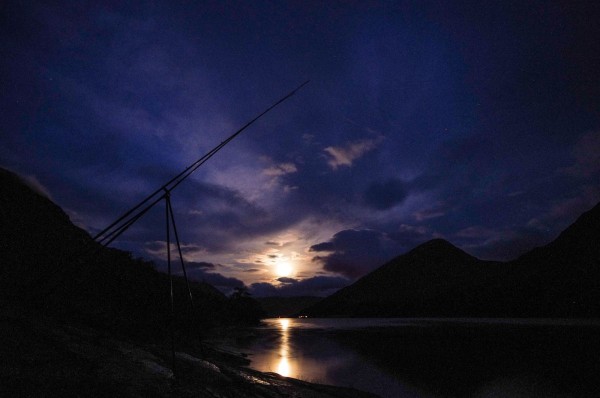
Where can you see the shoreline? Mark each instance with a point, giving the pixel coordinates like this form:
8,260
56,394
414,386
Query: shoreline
40,356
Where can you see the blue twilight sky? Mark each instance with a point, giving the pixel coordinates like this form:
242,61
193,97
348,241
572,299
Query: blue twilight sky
477,123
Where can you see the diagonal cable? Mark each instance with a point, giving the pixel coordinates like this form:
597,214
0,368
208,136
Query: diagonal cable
129,217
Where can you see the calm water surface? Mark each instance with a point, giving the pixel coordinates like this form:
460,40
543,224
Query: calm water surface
435,357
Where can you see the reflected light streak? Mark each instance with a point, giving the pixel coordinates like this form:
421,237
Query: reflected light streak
284,323
283,366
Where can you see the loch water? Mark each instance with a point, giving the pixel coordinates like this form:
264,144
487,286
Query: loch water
435,357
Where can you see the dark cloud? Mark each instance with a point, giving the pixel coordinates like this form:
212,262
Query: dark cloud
323,247
320,286
223,283
287,280
356,252
385,195
203,272
200,265
353,253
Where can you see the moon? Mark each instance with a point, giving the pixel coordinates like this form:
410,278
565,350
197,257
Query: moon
283,267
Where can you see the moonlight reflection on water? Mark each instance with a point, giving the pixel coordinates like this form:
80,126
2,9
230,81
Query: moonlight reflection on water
435,357
302,349
283,367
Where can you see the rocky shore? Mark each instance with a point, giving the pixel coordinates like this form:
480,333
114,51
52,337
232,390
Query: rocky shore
44,357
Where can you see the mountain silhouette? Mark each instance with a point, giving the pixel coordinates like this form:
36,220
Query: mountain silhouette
48,264
437,279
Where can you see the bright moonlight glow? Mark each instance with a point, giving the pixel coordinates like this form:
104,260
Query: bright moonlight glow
283,267
284,323
284,368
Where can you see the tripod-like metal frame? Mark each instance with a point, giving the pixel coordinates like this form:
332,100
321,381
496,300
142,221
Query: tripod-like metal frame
130,217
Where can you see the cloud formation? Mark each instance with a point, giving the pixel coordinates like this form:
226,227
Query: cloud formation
346,155
280,169
353,253
200,265
320,286
224,283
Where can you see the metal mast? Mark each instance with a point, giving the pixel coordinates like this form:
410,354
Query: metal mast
131,216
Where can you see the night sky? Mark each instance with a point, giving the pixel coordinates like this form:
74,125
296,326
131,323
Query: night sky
476,123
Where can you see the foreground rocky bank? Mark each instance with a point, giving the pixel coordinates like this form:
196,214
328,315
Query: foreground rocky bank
44,357
81,320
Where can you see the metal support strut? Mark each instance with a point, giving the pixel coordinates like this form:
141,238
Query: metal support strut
130,217
170,220
172,320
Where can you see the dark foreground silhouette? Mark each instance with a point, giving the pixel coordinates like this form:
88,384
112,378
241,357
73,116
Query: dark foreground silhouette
80,320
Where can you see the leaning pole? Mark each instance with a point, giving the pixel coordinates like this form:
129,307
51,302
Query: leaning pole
163,193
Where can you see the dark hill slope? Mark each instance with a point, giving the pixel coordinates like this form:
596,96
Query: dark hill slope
409,285
48,264
561,279
275,307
